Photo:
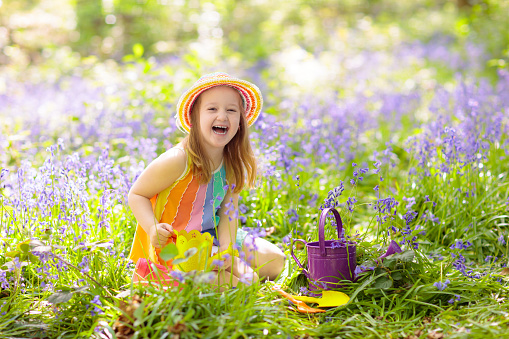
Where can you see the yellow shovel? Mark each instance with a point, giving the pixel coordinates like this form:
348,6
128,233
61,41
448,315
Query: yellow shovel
328,299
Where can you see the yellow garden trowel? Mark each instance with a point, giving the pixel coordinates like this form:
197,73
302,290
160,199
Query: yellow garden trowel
328,299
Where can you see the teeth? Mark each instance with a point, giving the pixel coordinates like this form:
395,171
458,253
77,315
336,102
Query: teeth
220,129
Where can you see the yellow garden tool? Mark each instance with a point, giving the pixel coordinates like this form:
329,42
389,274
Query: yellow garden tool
301,306
328,299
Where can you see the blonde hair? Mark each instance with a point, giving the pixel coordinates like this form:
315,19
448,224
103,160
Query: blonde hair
239,159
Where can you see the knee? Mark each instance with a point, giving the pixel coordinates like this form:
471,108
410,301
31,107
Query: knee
256,278
278,263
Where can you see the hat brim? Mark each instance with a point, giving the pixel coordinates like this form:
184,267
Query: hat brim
249,92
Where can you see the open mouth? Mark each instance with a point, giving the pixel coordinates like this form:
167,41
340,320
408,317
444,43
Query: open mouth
220,129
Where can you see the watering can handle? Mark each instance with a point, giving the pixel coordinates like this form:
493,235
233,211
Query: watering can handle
321,225
295,258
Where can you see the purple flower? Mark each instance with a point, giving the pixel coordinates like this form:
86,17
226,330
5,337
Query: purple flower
442,285
456,299
391,249
287,239
3,173
350,203
294,216
354,164
361,269
217,263
177,275
336,244
246,278
460,245
3,280
501,240
96,302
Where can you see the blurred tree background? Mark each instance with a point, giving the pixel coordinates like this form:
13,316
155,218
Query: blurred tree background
242,30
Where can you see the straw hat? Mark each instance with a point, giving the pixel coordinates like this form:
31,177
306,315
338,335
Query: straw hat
251,97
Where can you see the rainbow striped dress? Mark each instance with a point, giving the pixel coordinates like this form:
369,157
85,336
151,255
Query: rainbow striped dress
186,204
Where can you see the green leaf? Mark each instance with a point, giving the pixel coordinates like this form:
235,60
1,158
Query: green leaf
390,263
383,283
13,254
138,50
397,275
33,259
189,315
60,297
24,246
406,256
138,313
80,289
179,261
168,252
147,67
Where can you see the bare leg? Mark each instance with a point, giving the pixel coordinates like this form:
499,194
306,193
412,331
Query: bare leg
264,257
238,272
225,280
243,271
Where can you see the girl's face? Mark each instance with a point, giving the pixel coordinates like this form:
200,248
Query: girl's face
219,114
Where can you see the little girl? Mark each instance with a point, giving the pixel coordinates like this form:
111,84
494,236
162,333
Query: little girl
196,184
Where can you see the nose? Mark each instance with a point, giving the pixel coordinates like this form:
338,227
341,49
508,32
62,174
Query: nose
222,115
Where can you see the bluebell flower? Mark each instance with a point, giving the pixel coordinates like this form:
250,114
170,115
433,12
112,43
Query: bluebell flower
442,285
293,215
336,244
218,263
177,275
501,240
456,299
96,302
361,269
3,280
246,278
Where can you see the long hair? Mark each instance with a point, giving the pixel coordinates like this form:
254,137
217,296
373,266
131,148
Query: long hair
239,159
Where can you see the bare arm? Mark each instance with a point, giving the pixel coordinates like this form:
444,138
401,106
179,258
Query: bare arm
159,175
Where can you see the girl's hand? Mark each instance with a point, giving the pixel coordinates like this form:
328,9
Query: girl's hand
159,234
227,261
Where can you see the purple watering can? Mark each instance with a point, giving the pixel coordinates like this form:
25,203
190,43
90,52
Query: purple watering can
329,261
